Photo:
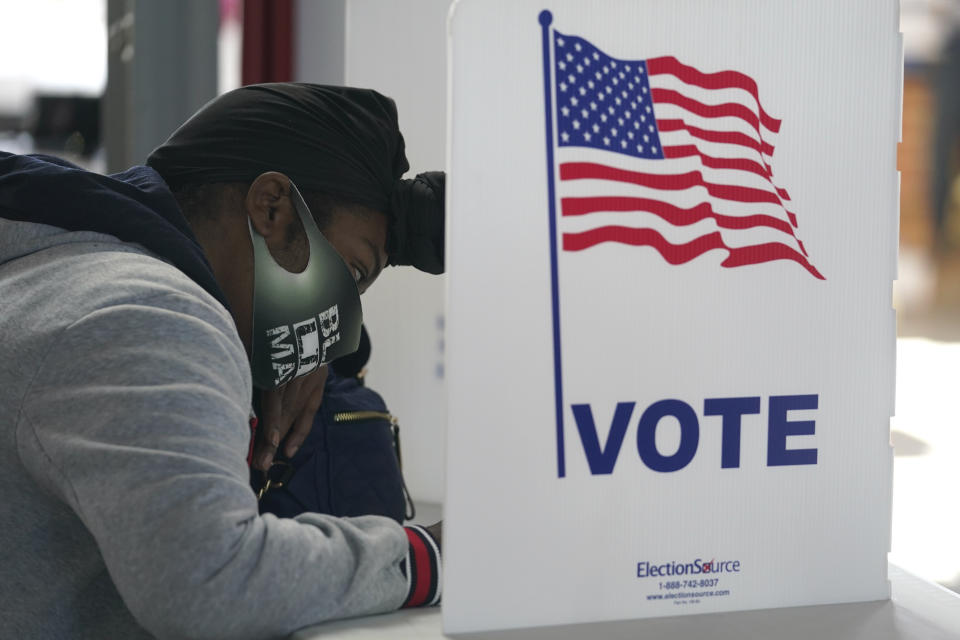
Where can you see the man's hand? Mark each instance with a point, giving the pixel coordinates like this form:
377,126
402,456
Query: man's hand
293,405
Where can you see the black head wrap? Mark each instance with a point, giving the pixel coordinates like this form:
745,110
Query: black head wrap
416,226
340,141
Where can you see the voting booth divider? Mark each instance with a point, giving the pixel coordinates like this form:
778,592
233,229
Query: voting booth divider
672,235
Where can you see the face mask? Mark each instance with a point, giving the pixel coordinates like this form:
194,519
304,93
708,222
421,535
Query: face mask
301,320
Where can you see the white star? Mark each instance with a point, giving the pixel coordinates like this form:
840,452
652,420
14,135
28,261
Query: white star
603,117
577,46
615,81
630,134
606,69
624,94
617,100
646,138
599,75
559,42
609,90
643,118
640,70
626,114
565,110
584,113
648,109
576,124
579,68
651,128
606,141
573,100
629,85
596,128
564,136
600,96
591,84
593,106
613,131
571,78
622,75
583,91
586,136
611,110
562,65
636,125
613,63
569,57
640,148
623,143
627,67
563,86
633,105
596,56
586,62
644,89
637,78
620,121
653,149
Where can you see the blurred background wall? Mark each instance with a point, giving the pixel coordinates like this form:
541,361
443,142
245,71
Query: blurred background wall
161,67
102,82
928,295
399,49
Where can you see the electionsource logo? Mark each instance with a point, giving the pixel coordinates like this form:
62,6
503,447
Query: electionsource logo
648,569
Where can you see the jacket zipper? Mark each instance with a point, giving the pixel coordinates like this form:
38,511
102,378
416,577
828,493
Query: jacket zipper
354,416
357,416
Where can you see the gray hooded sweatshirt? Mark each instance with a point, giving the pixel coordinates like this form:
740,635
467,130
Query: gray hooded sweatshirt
124,431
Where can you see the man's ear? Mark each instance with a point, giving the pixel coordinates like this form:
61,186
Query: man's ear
270,208
269,205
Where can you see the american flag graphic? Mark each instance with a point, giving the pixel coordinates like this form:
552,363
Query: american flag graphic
656,153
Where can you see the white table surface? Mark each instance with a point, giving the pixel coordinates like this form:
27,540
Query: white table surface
917,610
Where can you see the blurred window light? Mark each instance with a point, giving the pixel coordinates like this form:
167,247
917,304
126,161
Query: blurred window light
53,46
53,71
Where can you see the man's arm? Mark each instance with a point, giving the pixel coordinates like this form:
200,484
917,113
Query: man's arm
138,421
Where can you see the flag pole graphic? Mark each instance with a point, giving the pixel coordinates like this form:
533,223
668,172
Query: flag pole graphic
545,19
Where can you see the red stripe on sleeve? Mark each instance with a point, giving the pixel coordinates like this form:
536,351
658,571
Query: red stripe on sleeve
422,578
253,439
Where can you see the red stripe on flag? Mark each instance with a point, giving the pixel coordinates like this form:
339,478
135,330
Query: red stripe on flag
766,253
718,80
667,182
723,137
678,254
419,556
672,214
727,109
740,164
672,253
